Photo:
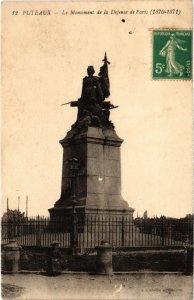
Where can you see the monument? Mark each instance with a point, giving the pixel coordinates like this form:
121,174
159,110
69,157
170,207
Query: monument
91,171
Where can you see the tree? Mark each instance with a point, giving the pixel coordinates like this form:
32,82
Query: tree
13,216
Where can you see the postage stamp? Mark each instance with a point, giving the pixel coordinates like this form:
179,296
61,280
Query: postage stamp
172,54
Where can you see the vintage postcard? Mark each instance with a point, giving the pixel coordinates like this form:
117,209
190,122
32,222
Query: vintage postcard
97,150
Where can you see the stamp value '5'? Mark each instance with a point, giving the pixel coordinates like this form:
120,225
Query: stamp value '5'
172,54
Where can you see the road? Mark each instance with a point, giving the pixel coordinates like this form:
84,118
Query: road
83,286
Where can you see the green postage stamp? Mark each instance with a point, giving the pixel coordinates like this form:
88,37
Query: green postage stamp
172,54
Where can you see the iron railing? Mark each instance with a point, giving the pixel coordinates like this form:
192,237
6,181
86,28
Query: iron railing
87,231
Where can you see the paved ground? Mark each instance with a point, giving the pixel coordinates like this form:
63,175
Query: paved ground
82,286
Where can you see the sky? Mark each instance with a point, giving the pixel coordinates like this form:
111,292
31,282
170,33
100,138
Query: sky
44,59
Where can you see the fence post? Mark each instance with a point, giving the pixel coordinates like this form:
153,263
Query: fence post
38,242
162,230
122,233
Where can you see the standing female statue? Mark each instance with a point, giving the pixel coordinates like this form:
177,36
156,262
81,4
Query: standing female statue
168,51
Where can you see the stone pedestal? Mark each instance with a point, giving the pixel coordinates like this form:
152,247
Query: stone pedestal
104,259
98,186
11,257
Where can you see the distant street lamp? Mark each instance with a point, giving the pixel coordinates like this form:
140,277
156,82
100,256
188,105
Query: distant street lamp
74,165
